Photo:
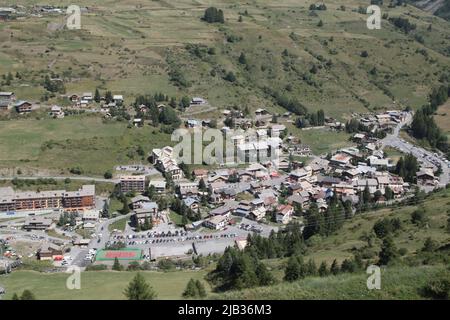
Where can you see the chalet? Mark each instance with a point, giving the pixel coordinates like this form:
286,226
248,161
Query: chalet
164,160
74,98
227,209
261,133
132,183
6,13
397,185
359,137
371,183
139,201
260,112
200,174
351,173
383,181
50,251
319,165
37,223
340,159
378,163
198,101
216,222
5,105
87,96
138,122
187,189
23,106
7,96
244,209
149,211
426,176
344,189
159,185
258,213
243,123
118,98
90,215
322,205
300,174
301,198
276,129
192,203
284,213
192,123
56,112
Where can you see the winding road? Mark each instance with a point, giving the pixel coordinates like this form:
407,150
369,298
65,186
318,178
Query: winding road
424,156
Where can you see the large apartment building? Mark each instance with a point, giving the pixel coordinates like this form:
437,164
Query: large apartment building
55,199
132,184
164,159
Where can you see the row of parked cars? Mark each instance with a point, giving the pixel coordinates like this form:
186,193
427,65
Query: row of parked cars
180,239
249,227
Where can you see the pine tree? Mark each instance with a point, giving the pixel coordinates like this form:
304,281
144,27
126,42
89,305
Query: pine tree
265,278
191,289
108,97
200,289
334,269
15,296
202,185
448,224
117,266
292,271
388,251
125,207
139,289
242,58
323,269
366,194
27,295
97,96
311,268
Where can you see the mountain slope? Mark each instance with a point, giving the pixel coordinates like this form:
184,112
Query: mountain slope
135,47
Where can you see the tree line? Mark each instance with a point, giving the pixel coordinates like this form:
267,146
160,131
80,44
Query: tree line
423,125
213,15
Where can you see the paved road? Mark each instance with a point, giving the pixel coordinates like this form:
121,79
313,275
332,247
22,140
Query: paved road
79,254
424,156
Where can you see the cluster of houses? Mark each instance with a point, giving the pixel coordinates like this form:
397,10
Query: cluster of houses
271,189
8,101
276,192
276,187
87,98
382,121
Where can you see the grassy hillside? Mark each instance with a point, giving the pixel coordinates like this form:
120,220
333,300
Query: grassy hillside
87,142
133,47
403,283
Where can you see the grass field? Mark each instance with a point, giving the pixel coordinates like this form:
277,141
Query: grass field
442,118
104,285
176,218
100,188
85,141
321,141
119,224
